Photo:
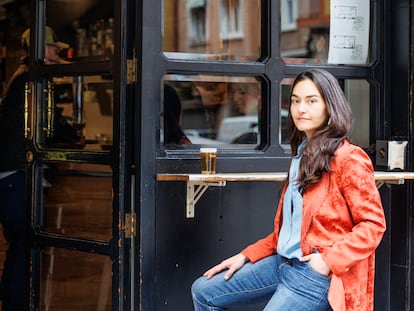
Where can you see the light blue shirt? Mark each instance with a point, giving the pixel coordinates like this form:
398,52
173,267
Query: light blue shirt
289,237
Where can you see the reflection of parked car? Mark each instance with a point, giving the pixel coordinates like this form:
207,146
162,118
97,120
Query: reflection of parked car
284,139
194,136
233,128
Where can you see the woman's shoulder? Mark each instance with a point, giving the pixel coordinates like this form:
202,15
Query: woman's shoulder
347,147
350,154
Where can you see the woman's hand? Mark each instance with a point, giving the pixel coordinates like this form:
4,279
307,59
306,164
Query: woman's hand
317,263
232,264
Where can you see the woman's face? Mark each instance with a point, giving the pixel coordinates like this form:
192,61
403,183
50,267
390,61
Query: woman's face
308,108
246,102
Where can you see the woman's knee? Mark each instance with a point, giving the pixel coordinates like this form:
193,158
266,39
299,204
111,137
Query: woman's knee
204,290
198,287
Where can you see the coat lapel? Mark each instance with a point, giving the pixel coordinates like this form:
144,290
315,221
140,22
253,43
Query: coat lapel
313,199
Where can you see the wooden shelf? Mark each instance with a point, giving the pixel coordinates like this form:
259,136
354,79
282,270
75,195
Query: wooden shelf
223,177
197,184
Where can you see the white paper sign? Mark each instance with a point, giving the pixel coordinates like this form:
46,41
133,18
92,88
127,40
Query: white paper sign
396,154
349,32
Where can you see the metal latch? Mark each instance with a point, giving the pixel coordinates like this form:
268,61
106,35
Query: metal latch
131,70
130,226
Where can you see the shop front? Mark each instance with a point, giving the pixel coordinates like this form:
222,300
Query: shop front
120,217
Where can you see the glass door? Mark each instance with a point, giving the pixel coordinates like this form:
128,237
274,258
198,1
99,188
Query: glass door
79,182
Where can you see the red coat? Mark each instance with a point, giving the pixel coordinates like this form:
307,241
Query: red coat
343,219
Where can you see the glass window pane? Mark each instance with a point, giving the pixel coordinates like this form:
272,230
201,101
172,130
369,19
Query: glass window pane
77,113
72,280
285,89
86,27
357,93
306,32
212,30
218,110
77,200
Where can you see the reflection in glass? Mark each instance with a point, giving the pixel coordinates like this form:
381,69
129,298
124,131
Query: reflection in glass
173,133
218,110
53,48
212,30
77,113
77,200
285,89
87,26
357,93
72,280
305,31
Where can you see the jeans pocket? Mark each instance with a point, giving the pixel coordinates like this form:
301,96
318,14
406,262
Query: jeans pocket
316,273
307,283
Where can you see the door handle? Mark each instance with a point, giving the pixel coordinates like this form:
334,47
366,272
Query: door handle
50,110
27,93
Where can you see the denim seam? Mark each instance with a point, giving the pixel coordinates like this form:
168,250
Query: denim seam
318,302
239,292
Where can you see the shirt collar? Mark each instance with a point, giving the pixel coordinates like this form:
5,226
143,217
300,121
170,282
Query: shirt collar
302,146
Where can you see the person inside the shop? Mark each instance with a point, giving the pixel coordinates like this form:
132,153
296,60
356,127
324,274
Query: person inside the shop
241,125
173,133
246,98
329,221
13,173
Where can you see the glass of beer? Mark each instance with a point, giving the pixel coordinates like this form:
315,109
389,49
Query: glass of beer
208,160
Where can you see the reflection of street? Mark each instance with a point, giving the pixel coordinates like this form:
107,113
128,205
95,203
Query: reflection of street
242,129
195,138
217,110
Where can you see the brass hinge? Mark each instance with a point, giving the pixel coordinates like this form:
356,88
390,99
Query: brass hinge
130,226
131,70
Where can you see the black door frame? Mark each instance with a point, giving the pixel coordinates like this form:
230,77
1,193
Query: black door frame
119,248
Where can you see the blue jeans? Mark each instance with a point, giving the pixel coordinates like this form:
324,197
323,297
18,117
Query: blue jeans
13,219
287,285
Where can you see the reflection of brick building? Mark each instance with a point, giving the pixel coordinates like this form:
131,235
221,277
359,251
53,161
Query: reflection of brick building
305,29
223,28
231,28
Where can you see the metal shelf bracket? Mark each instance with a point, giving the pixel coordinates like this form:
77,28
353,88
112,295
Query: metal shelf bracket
195,190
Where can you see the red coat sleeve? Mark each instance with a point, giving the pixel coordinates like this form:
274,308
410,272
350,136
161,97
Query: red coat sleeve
355,178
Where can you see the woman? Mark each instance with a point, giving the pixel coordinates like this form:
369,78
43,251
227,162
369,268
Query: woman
246,98
329,222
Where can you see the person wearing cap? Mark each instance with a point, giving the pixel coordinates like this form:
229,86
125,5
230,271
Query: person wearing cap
13,174
52,46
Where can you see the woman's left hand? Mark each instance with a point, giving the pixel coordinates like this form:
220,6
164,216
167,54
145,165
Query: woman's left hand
317,263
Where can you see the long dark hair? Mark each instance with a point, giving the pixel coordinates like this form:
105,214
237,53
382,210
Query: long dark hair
321,147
